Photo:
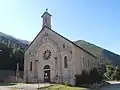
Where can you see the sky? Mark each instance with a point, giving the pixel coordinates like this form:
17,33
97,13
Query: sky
95,21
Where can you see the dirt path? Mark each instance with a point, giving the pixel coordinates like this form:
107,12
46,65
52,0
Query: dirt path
23,86
4,88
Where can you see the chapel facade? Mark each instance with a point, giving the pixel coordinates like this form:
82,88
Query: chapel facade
53,58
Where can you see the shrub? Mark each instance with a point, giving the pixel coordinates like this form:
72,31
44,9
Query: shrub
82,78
94,76
112,73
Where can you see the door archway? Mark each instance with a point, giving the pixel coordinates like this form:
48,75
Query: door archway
46,73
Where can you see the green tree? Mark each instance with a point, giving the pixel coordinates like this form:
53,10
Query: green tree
116,74
5,56
18,56
110,70
10,56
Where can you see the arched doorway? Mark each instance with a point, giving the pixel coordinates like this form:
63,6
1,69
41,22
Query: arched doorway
46,73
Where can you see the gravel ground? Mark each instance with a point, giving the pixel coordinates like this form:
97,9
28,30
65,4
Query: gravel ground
4,88
23,86
114,85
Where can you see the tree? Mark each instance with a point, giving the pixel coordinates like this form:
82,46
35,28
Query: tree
9,56
102,70
116,74
18,56
110,70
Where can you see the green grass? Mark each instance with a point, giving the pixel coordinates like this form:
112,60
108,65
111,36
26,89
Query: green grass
63,87
13,88
9,84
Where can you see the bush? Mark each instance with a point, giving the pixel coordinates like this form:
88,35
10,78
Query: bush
94,76
83,78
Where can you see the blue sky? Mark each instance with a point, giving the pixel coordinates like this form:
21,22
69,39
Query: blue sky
96,21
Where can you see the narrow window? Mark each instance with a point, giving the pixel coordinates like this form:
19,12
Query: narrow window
63,45
30,66
45,19
29,53
56,66
83,61
55,60
88,63
80,61
65,62
36,68
46,39
71,52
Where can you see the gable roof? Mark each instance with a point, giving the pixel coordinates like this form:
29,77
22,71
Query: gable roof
62,37
46,13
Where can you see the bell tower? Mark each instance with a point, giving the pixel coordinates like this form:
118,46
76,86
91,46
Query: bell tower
46,19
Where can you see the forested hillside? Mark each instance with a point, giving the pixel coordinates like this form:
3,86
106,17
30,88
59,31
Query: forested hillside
14,42
9,57
99,52
11,52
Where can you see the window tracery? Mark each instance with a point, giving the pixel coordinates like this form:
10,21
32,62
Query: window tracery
47,55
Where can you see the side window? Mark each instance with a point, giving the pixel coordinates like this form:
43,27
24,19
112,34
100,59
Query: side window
45,19
88,63
55,60
65,62
83,61
31,66
63,45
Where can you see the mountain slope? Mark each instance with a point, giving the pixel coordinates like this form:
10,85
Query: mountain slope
102,54
99,52
13,41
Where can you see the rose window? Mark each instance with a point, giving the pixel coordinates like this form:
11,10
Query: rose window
47,54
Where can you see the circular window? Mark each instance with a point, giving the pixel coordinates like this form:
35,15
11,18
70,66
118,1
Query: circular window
47,54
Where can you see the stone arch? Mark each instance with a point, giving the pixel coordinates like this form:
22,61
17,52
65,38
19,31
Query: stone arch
50,41
46,67
44,46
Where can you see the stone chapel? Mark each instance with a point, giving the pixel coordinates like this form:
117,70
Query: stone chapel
53,58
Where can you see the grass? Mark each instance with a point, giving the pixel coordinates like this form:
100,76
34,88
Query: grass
62,87
13,88
7,84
